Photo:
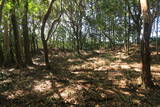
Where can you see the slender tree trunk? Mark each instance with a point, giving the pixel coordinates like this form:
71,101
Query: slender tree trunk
36,45
146,58
112,44
6,49
78,45
1,55
145,48
138,28
77,41
44,42
128,37
1,9
33,44
16,36
110,41
1,51
138,37
11,44
113,34
28,59
45,49
63,42
126,33
157,38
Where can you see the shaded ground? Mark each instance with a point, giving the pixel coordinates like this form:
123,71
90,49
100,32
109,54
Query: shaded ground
99,78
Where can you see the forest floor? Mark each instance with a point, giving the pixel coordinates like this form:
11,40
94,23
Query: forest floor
98,78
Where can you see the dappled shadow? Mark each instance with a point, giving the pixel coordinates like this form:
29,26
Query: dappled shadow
95,78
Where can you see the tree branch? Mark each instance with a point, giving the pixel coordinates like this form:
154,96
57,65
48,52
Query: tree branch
52,26
46,17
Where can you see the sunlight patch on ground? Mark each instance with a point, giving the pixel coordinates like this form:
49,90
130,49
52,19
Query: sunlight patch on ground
137,69
55,96
113,76
92,63
5,81
154,53
155,68
58,84
12,69
103,68
117,79
125,66
74,60
67,91
31,68
37,61
100,51
125,92
122,83
114,66
156,74
49,75
141,95
136,66
42,86
121,55
137,101
14,94
69,94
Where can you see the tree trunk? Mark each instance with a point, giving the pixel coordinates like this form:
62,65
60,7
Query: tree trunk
7,58
1,9
1,56
157,35
16,37
138,36
128,37
11,44
36,48
126,32
33,44
1,51
45,49
44,42
146,58
28,59
78,45
145,48
77,41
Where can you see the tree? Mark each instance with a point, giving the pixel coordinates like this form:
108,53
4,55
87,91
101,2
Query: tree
18,52
28,59
45,40
1,11
157,33
75,13
6,44
135,13
145,42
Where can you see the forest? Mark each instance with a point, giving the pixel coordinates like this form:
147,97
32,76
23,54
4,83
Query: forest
79,53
